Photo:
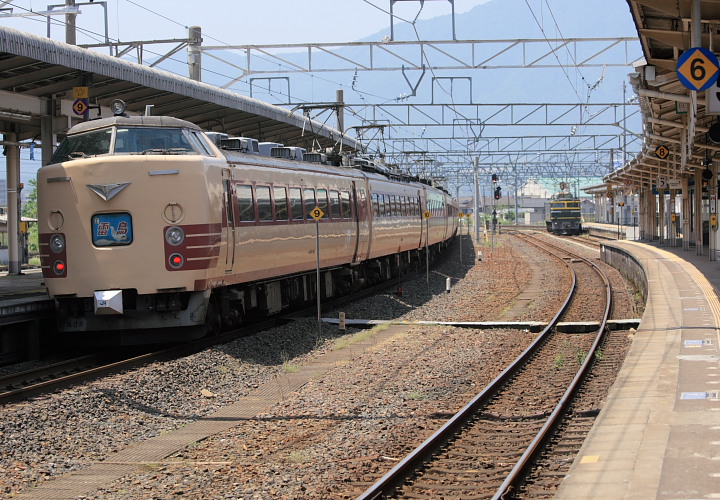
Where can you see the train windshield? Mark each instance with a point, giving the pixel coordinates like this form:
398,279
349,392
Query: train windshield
153,140
92,143
129,141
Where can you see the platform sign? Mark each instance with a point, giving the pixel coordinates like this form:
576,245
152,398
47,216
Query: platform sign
461,215
427,214
662,151
81,92
80,107
697,68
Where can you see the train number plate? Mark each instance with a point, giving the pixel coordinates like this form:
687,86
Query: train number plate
112,229
74,325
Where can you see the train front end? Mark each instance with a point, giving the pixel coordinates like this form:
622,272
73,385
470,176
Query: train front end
130,229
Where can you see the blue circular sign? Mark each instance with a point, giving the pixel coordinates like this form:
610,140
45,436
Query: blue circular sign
697,68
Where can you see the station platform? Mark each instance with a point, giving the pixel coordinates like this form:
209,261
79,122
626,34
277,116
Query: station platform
612,231
23,296
658,432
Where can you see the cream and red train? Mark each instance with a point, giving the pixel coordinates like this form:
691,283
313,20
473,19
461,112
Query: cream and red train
145,224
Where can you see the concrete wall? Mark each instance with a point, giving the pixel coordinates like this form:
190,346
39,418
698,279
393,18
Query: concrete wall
628,266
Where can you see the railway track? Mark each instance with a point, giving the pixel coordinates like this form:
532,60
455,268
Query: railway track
62,374
491,447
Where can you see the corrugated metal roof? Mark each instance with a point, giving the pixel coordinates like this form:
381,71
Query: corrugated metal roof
36,66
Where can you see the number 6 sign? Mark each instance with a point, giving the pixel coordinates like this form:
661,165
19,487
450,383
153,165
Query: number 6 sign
697,68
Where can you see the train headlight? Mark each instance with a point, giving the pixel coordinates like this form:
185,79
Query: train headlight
174,235
57,243
118,107
176,260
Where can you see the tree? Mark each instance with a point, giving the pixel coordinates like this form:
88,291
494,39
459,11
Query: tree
30,211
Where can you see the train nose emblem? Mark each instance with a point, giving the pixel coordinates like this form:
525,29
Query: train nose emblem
107,191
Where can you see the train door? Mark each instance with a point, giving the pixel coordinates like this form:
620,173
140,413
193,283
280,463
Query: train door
362,223
229,221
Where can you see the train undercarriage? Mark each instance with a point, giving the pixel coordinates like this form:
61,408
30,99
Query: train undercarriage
177,315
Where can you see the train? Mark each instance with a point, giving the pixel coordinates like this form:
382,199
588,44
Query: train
152,230
562,213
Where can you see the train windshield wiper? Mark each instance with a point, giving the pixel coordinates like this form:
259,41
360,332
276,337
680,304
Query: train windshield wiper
76,154
171,151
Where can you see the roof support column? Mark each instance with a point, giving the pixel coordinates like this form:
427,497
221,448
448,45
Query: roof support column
661,216
698,213
12,163
695,41
712,231
672,222
642,223
47,137
686,212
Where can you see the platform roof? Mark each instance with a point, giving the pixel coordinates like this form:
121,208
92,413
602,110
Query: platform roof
36,71
667,105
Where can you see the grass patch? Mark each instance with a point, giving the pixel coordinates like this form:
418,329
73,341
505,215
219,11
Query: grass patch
290,368
580,356
359,336
416,396
299,457
559,361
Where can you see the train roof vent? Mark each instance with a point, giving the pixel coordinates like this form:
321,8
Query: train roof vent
291,153
266,147
216,137
237,144
280,152
316,157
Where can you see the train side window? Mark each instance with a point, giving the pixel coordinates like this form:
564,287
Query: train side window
376,204
296,206
335,205
345,202
322,196
264,204
281,203
197,140
246,207
309,195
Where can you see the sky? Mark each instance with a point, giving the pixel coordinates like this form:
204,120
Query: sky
260,22
232,22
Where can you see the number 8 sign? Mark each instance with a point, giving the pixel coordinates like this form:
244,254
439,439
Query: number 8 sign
697,68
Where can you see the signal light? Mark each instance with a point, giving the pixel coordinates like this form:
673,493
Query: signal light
497,193
494,177
59,267
176,260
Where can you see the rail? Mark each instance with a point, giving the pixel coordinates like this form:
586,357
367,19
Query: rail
406,467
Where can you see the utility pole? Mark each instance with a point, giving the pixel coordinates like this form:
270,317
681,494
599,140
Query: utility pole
194,53
476,198
70,35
